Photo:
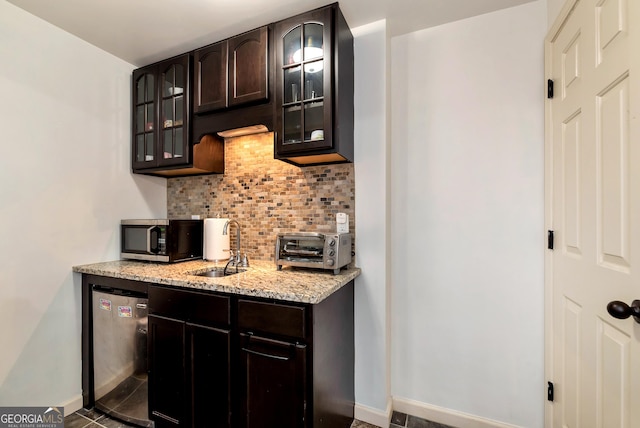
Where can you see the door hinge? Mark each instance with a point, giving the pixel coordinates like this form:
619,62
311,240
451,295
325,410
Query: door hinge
550,239
549,88
549,391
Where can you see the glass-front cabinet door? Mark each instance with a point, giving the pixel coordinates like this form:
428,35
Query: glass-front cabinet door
173,142
160,114
144,118
304,82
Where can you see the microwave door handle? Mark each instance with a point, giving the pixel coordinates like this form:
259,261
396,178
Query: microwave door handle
149,240
153,249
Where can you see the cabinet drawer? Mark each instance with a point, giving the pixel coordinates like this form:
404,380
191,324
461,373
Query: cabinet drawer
191,306
209,308
275,318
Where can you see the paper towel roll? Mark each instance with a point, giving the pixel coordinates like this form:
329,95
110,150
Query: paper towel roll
216,245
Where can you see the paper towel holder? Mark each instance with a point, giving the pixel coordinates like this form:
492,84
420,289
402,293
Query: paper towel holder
215,243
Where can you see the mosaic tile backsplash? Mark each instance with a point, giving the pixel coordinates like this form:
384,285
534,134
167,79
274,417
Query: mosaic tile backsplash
266,196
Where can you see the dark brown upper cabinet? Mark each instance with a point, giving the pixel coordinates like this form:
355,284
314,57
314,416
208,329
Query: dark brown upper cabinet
161,113
314,88
161,131
210,82
232,72
248,72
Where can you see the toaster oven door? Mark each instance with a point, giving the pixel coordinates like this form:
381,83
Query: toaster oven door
304,250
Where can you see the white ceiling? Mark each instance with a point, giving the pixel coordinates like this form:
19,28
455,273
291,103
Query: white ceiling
144,31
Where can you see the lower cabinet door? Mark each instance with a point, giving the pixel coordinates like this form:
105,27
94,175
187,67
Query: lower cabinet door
273,381
167,392
210,376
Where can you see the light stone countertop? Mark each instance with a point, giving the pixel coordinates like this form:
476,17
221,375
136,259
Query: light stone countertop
261,278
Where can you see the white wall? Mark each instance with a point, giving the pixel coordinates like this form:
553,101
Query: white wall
372,384
65,183
553,9
467,218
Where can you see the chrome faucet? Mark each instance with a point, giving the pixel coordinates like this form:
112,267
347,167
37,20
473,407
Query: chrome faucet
236,260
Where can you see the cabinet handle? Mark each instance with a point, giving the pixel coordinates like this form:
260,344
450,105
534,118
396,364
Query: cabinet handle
165,417
262,354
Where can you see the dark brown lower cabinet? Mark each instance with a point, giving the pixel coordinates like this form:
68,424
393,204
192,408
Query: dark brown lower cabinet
167,389
223,361
189,374
189,358
272,376
210,376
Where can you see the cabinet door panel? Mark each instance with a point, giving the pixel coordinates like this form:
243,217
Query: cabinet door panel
248,67
314,88
172,147
209,350
166,371
273,380
304,82
144,118
210,90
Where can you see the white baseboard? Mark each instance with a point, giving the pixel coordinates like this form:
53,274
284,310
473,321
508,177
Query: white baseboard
373,416
73,405
445,416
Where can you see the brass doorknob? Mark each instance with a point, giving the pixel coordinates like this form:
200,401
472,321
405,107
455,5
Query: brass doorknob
621,310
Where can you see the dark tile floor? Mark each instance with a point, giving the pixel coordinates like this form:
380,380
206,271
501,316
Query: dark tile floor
84,418
402,420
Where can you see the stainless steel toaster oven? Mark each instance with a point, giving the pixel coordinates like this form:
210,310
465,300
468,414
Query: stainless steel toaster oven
313,250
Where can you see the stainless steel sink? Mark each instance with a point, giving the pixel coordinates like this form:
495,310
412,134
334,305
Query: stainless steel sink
218,272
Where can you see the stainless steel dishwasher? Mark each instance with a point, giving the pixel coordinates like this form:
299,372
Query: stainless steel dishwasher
120,355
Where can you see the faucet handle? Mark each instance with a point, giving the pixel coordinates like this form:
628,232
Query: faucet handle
245,261
231,256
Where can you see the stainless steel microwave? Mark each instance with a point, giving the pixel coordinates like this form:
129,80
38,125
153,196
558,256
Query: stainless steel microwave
161,240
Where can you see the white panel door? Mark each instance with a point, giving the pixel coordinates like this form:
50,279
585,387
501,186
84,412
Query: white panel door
594,169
